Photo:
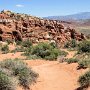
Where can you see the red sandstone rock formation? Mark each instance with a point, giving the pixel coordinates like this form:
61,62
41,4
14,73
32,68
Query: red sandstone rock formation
36,29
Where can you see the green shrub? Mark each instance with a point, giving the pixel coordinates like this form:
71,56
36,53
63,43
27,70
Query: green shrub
84,46
54,53
27,51
9,41
6,82
19,69
53,44
26,76
72,60
12,64
6,71
46,51
84,80
18,42
42,50
27,43
71,44
83,56
63,53
67,45
5,49
83,64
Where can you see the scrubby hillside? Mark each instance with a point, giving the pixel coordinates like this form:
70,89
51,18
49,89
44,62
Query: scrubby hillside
56,52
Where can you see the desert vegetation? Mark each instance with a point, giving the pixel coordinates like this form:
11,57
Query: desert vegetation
84,81
83,59
84,64
84,46
44,51
21,74
4,48
14,73
42,41
72,60
71,44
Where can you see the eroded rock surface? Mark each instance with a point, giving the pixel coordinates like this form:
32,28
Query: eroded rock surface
21,26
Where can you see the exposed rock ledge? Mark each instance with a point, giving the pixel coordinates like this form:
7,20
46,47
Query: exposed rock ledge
22,26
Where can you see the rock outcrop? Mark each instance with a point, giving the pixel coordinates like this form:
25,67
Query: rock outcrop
21,26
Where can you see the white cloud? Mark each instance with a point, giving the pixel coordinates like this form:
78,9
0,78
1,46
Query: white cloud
19,5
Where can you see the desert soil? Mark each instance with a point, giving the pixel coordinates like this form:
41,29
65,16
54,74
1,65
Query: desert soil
52,74
57,76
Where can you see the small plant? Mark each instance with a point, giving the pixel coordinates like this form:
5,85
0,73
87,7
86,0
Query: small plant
27,52
72,60
84,80
53,44
6,82
42,50
5,49
26,43
63,53
67,45
9,41
54,53
46,51
71,44
83,64
19,69
18,42
84,47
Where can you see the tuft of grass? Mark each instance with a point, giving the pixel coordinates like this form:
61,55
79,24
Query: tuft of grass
84,47
9,41
71,44
84,80
18,43
83,64
27,43
5,49
72,60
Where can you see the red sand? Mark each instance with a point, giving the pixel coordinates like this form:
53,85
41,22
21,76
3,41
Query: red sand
52,74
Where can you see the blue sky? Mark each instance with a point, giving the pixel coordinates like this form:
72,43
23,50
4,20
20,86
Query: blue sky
44,8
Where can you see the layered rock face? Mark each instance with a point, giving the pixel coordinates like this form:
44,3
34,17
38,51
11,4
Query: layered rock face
21,27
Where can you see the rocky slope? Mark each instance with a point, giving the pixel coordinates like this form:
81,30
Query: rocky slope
15,26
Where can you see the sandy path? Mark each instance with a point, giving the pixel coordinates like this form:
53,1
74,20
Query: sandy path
55,76
52,74
70,53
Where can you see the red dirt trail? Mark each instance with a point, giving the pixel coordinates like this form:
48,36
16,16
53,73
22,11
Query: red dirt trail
52,74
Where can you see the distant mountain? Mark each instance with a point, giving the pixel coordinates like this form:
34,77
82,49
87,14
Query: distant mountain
78,16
